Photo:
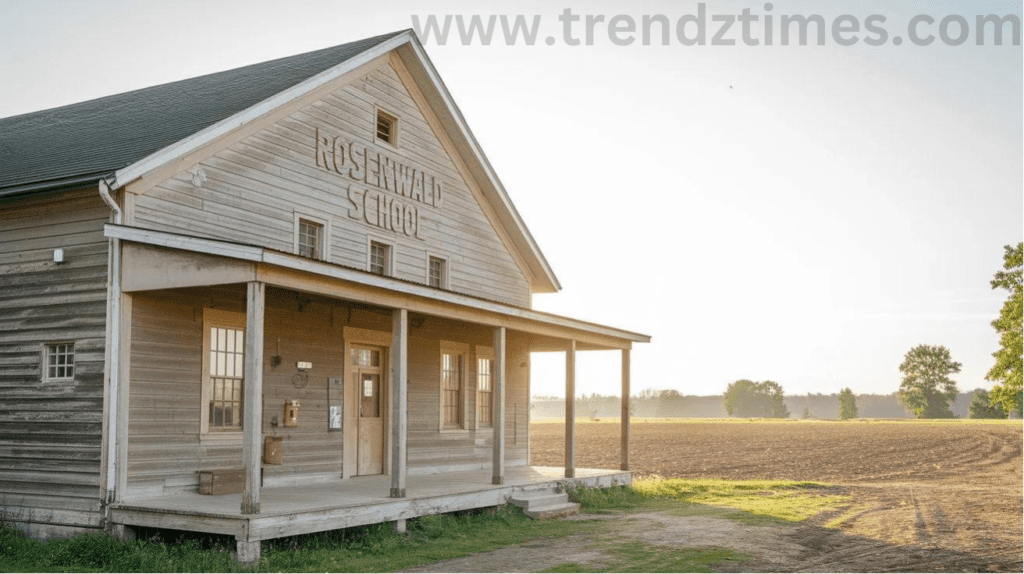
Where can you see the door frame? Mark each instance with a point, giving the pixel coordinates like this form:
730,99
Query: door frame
350,424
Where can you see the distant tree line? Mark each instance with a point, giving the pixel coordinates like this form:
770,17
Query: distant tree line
673,404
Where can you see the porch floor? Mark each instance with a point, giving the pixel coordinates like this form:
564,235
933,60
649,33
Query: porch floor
302,509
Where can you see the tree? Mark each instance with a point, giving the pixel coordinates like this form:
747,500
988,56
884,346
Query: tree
926,389
847,404
982,407
1008,372
746,398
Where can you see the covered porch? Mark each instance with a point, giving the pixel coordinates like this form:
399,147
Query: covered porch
304,509
168,287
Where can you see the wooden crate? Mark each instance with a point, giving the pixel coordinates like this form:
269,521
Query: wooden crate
226,481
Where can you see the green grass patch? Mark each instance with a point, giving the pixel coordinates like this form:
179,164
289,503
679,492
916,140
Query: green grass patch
376,548
752,501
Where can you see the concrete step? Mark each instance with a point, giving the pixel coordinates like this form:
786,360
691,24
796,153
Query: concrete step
545,504
560,510
531,500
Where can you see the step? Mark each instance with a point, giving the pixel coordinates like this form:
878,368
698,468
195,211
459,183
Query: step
560,510
532,500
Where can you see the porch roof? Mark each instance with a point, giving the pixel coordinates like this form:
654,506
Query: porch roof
165,260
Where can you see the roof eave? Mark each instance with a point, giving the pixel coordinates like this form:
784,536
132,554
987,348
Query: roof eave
181,148
545,280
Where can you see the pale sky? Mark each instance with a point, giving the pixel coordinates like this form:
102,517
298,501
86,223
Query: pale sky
804,214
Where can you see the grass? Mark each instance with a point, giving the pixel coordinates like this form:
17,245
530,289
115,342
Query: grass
376,548
750,501
429,539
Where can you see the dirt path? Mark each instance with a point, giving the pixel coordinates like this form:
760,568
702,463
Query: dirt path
925,498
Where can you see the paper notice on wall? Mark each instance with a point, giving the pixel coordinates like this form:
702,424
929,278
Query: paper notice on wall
335,417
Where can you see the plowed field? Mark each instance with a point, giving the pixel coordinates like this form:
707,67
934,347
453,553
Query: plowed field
926,496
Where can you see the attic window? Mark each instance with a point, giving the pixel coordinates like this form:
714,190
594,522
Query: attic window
387,128
380,258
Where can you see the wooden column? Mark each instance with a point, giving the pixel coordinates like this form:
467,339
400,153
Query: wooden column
498,413
399,400
252,400
570,410
624,452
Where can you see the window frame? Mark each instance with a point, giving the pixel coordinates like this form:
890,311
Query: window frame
47,352
444,271
228,320
389,265
325,234
459,350
484,353
379,111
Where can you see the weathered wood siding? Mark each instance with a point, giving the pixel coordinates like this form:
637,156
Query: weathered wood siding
253,188
51,432
165,448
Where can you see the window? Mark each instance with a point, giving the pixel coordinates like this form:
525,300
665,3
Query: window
223,370
59,362
387,128
437,271
451,390
380,258
484,391
310,239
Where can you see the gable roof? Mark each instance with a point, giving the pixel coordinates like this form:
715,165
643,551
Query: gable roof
106,134
122,137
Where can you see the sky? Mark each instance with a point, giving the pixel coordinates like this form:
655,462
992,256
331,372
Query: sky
802,214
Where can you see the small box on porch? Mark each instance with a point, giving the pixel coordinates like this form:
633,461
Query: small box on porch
226,481
272,450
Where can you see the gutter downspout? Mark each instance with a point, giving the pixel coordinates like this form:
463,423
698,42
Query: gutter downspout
112,355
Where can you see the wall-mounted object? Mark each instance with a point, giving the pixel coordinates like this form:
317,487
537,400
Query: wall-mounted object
336,403
58,255
291,413
304,366
272,450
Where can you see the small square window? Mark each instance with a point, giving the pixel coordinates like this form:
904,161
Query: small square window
59,362
311,236
436,272
387,128
380,258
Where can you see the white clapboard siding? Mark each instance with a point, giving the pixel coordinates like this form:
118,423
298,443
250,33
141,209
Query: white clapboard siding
50,433
254,186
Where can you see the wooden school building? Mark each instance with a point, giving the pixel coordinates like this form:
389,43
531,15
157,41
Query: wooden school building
285,298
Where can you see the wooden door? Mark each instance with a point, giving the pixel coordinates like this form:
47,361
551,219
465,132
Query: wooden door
368,374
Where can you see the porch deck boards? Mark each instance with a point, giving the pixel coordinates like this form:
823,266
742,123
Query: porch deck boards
302,509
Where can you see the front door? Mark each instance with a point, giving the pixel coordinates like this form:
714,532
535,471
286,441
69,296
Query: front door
368,374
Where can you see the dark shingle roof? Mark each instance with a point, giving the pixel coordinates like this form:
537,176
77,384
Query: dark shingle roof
103,135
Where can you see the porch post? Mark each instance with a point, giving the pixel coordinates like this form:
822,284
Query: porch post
252,421
498,414
570,410
399,399
624,452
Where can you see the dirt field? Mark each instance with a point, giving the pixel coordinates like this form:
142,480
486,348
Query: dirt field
925,496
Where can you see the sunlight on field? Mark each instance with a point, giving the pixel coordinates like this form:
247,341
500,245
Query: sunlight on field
649,420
